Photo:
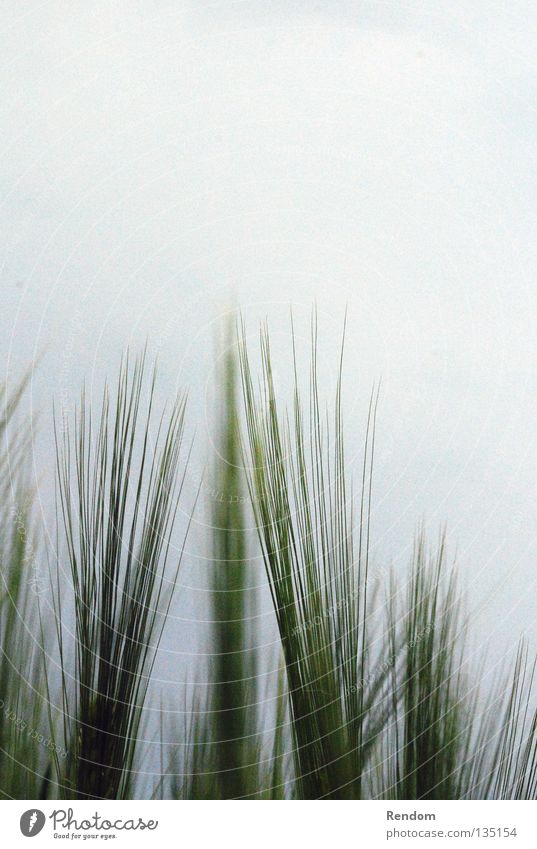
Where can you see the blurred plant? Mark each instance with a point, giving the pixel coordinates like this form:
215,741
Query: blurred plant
318,576
373,700
233,716
25,739
119,494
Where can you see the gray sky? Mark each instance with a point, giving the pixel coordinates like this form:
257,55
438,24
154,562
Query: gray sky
160,159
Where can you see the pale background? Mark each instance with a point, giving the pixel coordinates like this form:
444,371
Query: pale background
163,160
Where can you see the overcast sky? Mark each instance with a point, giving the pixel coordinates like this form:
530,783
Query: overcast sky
162,160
